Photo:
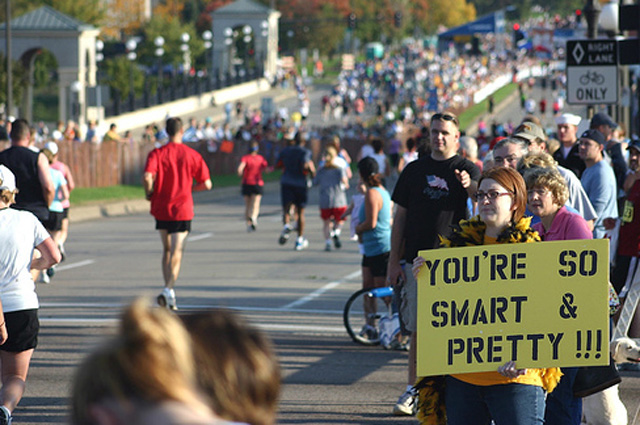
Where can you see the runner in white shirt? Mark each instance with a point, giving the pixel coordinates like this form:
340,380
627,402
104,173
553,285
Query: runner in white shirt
21,235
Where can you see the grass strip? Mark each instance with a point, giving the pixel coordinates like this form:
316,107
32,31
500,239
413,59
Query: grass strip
121,192
469,116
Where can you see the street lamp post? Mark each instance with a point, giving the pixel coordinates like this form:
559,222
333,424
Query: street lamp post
609,23
591,12
99,59
186,58
131,55
159,42
207,36
228,41
264,49
75,88
247,32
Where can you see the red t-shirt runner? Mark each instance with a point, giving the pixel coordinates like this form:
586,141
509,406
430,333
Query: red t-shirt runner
254,166
175,167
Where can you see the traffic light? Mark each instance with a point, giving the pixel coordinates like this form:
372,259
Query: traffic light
397,19
518,35
352,21
578,16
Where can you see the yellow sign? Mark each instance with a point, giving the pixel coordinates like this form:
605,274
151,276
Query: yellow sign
540,304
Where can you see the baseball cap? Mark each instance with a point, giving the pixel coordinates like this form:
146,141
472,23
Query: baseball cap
51,147
602,118
634,143
7,179
568,119
594,135
529,131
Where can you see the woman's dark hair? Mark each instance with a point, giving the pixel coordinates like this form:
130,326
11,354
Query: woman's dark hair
376,144
369,171
512,182
411,143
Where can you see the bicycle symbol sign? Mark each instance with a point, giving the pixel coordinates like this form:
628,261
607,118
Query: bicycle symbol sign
592,72
592,77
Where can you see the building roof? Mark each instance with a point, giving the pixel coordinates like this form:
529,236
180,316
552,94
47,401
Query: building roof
242,6
47,18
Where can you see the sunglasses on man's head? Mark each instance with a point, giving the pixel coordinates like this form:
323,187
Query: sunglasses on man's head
444,117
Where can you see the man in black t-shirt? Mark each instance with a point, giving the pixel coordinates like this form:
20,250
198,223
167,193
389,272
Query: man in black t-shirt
32,173
431,195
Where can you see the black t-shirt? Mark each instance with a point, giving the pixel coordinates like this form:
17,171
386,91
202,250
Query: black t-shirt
573,161
23,162
434,199
614,149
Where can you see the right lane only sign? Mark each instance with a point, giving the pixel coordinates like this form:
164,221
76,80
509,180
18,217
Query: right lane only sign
592,71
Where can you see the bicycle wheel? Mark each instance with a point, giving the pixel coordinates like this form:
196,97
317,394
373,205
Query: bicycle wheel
363,327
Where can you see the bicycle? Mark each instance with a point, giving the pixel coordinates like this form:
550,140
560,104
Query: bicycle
363,328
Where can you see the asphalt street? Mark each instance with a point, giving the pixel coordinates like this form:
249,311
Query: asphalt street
295,297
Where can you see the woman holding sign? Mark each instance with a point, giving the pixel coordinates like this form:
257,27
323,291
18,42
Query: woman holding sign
509,396
547,193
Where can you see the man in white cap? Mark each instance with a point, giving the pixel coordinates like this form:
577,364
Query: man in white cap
567,155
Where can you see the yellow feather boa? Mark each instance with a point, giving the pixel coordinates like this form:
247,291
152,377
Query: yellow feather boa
431,407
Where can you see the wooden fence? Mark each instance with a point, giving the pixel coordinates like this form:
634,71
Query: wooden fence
113,163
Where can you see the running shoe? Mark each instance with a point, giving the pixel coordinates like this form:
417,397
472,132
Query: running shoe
51,271
327,246
44,277
400,345
369,332
284,236
407,403
5,416
167,298
301,244
336,241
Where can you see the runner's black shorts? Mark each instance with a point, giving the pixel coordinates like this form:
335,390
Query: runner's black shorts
23,327
55,221
174,226
377,264
296,195
251,189
65,213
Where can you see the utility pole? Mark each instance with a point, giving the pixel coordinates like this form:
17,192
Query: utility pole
591,12
9,104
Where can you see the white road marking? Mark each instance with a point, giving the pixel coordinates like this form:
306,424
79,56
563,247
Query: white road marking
289,308
47,305
315,294
199,237
111,322
74,265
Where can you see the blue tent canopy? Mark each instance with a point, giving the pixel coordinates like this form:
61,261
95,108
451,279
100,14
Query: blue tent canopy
492,23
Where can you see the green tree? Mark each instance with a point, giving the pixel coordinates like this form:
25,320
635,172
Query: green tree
18,74
88,11
118,78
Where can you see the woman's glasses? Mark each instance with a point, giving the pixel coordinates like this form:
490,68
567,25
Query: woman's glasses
491,195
